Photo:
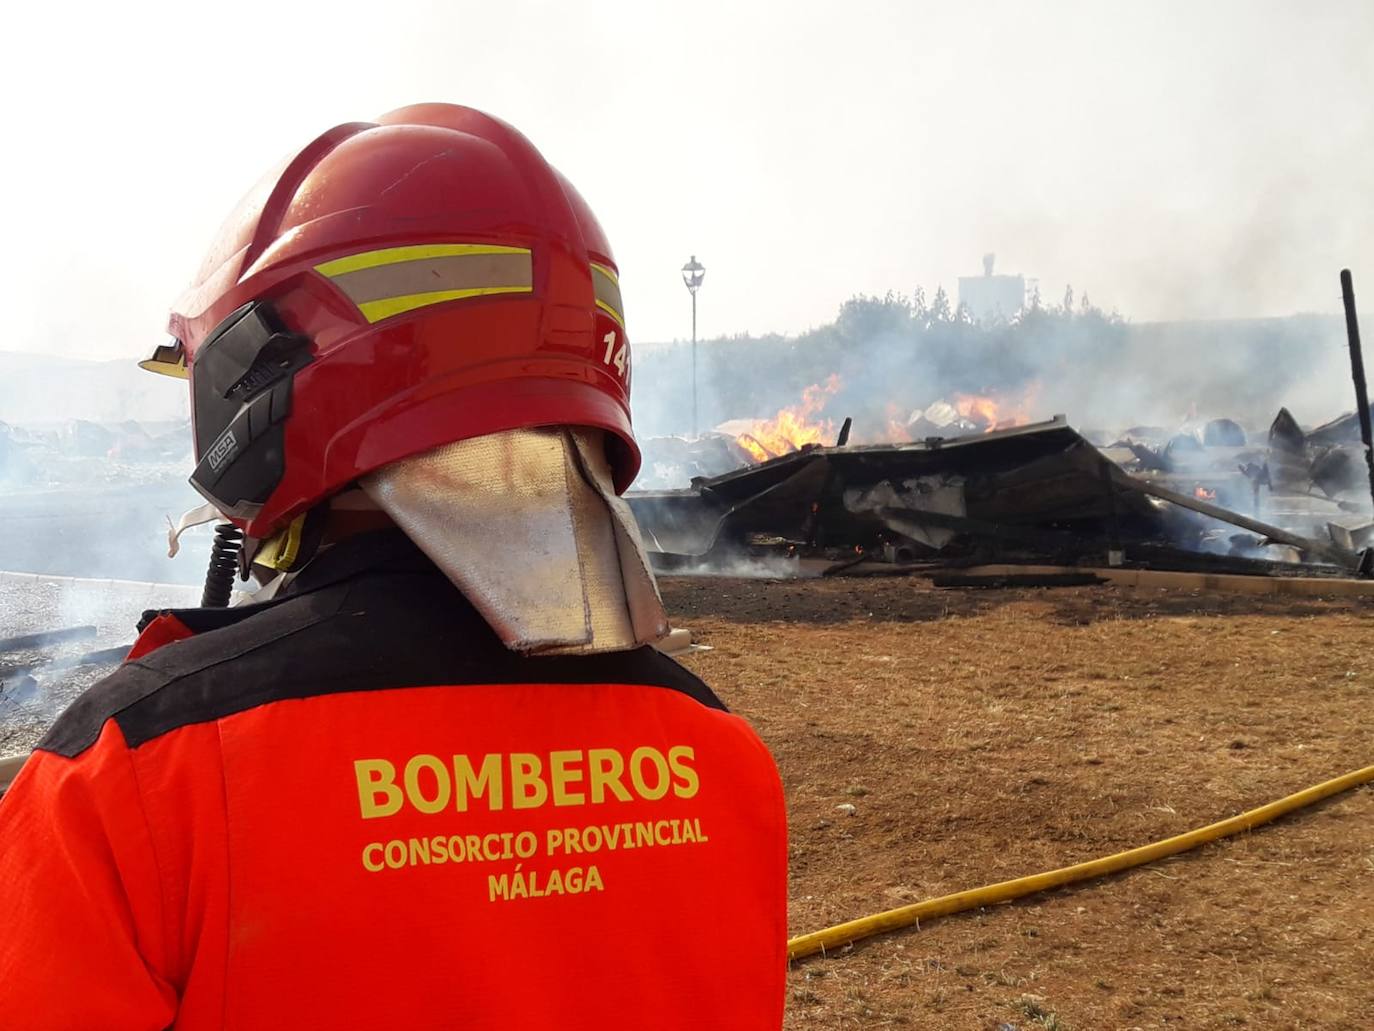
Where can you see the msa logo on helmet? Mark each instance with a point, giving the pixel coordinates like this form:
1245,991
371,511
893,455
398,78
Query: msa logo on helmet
222,450
240,400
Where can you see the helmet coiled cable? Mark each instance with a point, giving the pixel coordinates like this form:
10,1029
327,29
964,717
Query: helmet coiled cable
224,566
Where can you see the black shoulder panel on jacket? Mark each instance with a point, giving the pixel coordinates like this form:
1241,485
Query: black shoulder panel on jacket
375,631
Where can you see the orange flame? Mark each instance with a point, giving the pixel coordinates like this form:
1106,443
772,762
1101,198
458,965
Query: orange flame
994,413
977,408
897,433
792,428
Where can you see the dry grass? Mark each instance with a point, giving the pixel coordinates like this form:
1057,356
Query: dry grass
984,735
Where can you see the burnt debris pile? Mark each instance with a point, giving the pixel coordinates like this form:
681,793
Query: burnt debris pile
1209,500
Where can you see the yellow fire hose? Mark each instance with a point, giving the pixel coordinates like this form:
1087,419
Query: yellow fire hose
905,916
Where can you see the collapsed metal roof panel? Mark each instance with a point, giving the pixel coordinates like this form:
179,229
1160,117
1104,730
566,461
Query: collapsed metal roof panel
1016,443
1038,488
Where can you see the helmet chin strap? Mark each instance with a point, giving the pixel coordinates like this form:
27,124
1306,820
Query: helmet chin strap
526,523
198,516
277,558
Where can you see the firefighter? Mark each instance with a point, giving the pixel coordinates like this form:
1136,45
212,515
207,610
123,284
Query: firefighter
439,778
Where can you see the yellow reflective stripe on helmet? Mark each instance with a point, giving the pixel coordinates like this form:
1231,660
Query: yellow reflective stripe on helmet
375,311
435,275
611,312
418,252
606,285
400,279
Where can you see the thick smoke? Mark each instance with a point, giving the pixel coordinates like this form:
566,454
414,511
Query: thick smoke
93,456
1105,373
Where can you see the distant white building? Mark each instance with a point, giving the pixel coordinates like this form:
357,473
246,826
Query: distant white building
989,297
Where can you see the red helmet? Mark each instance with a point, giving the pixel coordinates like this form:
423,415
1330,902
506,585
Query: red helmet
395,286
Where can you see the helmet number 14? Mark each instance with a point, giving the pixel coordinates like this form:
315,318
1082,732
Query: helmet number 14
613,356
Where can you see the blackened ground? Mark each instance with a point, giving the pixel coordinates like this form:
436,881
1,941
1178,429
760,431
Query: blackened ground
37,683
982,735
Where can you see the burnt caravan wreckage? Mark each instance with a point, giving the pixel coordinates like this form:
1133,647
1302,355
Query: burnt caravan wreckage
1329,459
1030,494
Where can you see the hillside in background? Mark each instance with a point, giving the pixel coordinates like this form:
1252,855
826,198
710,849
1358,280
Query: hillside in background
37,389
892,356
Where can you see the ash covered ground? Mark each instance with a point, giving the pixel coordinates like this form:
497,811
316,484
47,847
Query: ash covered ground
39,681
83,544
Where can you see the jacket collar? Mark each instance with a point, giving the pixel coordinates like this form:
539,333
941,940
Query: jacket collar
378,551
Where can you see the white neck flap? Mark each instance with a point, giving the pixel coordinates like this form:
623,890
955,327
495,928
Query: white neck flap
527,524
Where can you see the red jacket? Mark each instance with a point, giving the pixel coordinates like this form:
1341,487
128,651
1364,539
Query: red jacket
352,808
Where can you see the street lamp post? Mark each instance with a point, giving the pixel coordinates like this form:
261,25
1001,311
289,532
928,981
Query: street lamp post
692,275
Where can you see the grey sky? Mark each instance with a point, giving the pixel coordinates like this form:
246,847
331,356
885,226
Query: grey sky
1174,159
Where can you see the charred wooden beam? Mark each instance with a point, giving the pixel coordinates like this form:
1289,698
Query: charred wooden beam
100,657
1274,533
843,438
41,640
1352,330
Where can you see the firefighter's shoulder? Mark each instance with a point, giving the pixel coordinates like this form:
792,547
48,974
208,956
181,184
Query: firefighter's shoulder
342,638
193,678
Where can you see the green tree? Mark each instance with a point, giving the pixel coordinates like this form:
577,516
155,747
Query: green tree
867,318
939,307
